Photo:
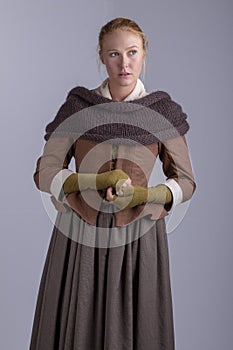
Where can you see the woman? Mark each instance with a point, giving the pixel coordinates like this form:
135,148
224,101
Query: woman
106,282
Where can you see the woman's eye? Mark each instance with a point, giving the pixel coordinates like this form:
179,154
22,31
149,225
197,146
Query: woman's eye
113,54
132,52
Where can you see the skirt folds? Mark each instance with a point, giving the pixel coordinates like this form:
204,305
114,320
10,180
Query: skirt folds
105,298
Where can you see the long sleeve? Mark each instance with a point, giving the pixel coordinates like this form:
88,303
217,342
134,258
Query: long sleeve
52,166
177,168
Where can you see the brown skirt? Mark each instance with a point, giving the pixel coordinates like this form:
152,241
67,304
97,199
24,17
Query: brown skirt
112,298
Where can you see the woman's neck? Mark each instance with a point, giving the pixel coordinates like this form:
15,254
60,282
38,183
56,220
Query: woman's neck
119,93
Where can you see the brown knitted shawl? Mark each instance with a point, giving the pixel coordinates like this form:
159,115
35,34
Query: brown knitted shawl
88,115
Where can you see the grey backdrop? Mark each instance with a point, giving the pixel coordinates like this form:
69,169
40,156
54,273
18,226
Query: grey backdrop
48,47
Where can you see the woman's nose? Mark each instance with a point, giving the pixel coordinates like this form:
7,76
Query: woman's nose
124,62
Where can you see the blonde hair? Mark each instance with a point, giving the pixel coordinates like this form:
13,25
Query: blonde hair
122,23
125,24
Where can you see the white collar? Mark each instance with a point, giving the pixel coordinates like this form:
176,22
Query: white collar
138,91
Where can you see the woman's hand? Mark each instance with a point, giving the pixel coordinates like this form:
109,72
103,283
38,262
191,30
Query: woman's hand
109,194
80,182
115,178
129,196
137,195
118,189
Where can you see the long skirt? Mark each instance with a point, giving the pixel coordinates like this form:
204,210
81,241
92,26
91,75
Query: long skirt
105,297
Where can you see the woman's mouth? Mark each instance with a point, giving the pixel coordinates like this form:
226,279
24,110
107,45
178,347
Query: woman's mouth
125,74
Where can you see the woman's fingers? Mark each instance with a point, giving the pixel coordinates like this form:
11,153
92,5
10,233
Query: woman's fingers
109,194
122,184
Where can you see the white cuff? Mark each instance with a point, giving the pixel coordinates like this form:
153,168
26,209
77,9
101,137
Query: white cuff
58,181
176,191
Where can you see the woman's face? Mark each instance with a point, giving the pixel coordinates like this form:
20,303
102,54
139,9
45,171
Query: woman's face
123,55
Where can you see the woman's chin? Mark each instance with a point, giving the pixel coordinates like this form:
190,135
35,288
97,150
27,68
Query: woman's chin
126,81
